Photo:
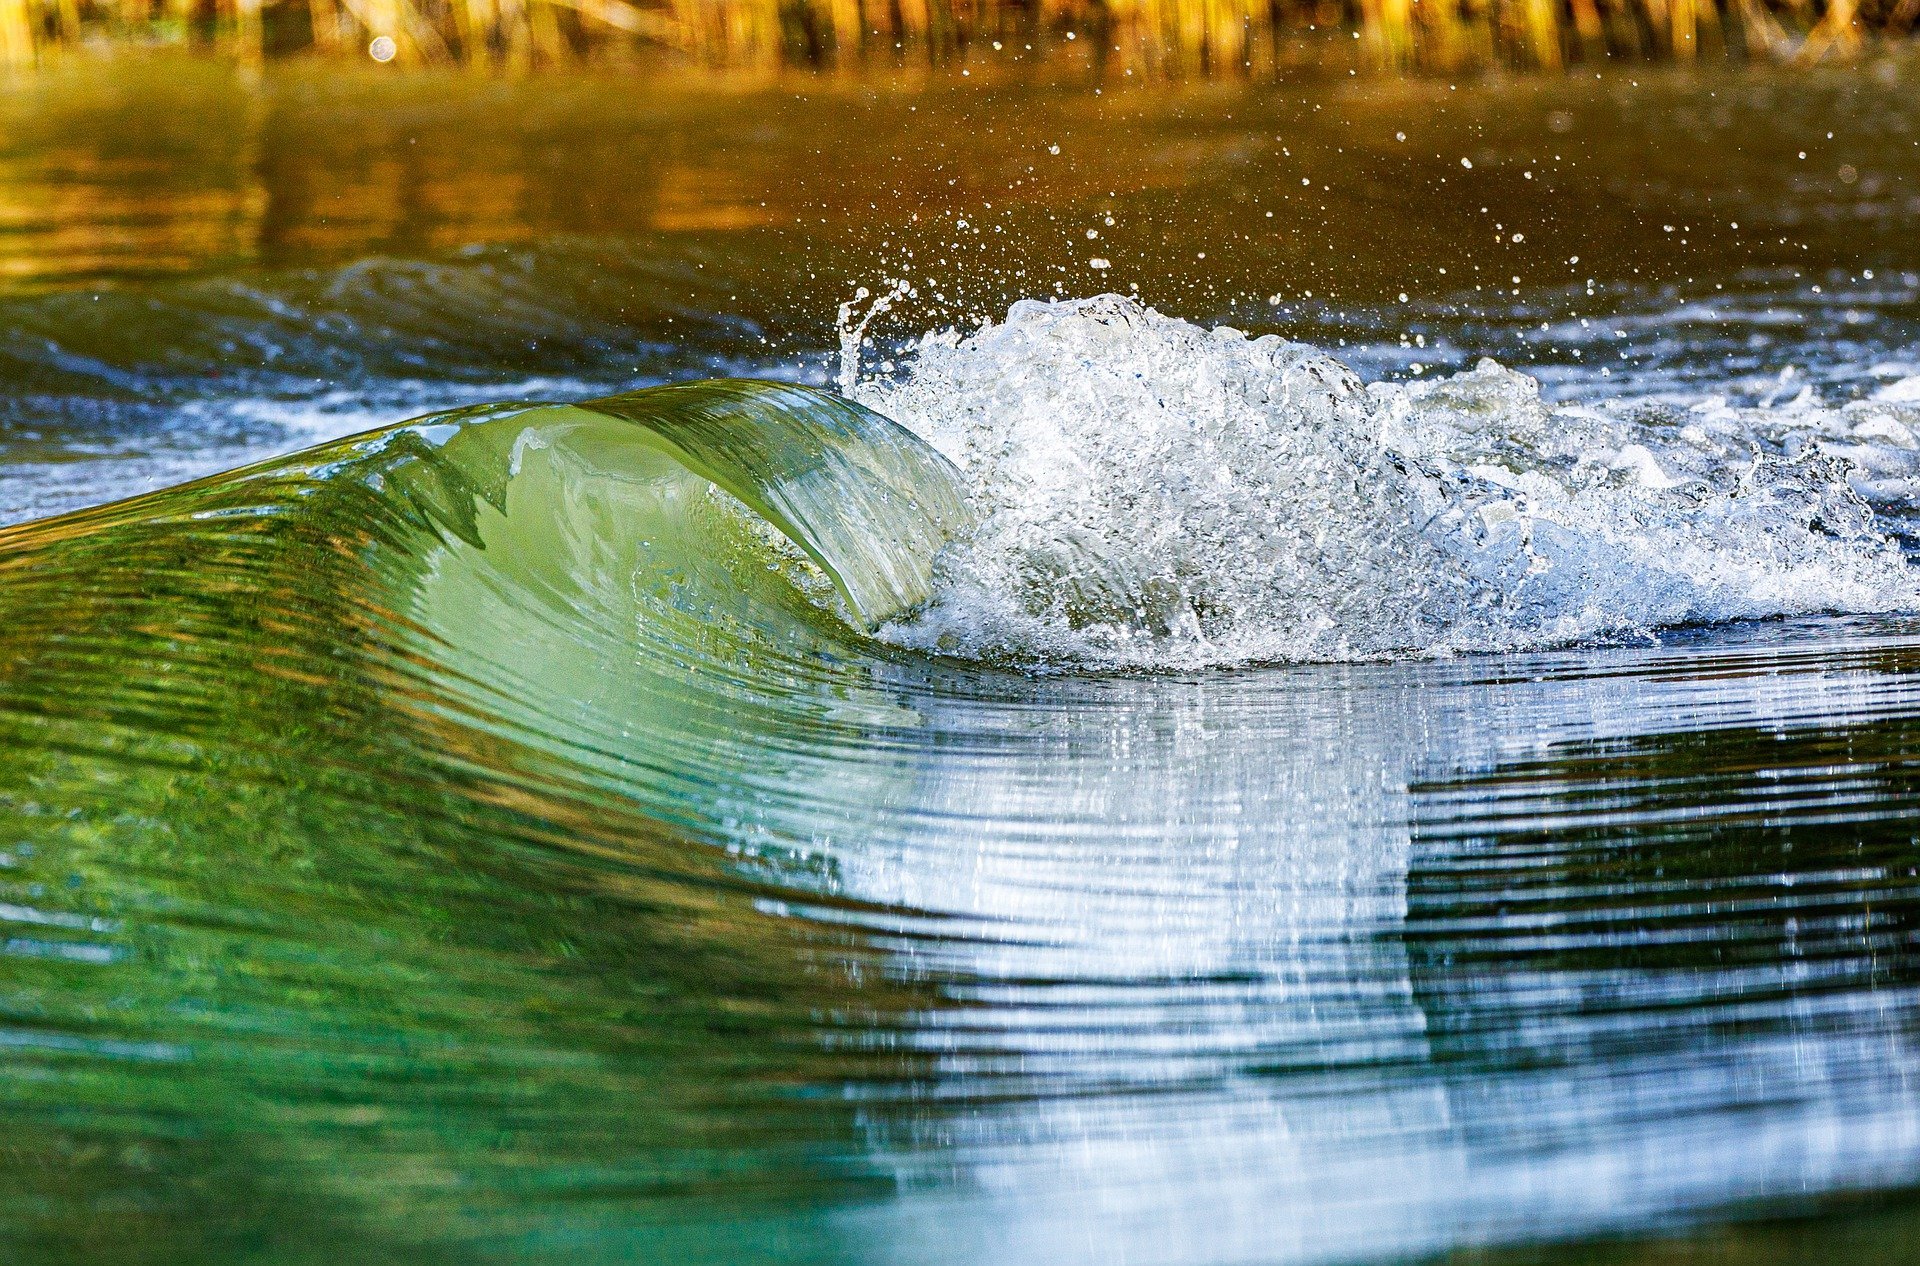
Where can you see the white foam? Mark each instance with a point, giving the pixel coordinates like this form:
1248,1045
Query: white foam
1155,494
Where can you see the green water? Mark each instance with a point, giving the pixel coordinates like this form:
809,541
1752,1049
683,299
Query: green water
518,831
364,1016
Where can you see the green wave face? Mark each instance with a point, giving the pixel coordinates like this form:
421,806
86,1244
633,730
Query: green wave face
369,821
616,594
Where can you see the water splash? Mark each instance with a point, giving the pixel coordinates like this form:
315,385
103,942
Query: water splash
854,332
1154,494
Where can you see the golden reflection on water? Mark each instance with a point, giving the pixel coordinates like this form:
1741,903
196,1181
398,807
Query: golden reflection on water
169,165
1354,191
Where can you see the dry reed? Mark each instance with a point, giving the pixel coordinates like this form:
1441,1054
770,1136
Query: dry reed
1157,38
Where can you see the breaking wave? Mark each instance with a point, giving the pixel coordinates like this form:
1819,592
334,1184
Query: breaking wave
1152,494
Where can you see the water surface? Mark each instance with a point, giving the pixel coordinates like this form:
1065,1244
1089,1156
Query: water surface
545,832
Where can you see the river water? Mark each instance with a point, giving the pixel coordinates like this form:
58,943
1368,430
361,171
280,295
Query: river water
959,668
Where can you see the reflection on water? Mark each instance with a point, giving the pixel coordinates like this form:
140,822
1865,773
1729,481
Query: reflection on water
1291,1002
118,175
478,841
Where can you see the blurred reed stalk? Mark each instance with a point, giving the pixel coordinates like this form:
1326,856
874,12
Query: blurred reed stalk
1153,38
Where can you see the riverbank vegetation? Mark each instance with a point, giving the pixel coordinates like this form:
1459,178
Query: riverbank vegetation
1155,38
